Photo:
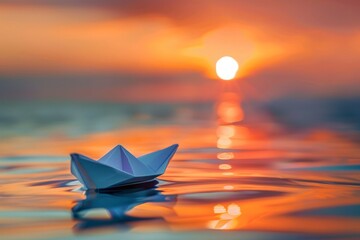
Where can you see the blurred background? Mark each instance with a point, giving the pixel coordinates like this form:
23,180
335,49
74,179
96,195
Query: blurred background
298,59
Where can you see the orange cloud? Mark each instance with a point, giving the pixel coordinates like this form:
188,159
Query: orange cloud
53,41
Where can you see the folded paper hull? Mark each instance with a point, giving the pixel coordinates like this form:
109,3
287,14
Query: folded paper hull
119,167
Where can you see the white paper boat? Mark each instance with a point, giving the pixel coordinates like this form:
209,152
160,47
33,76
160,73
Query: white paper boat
119,167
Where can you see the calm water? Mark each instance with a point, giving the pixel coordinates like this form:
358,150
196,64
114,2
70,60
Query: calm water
261,176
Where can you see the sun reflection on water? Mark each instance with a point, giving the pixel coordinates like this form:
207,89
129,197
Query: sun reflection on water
229,115
225,156
226,217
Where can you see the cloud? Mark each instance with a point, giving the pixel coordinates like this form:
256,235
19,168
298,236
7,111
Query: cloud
321,13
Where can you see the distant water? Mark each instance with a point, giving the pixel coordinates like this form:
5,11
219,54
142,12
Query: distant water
239,173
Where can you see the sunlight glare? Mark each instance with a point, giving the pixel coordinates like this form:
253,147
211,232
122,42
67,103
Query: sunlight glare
226,68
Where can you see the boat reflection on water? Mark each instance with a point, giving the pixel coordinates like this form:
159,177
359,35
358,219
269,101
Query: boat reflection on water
111,207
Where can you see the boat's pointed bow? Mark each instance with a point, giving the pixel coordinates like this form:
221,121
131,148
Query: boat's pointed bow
159,160
174,146
95,175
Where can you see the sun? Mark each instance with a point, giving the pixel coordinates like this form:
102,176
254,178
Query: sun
226,68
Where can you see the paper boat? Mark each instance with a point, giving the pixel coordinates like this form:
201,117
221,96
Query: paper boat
119,167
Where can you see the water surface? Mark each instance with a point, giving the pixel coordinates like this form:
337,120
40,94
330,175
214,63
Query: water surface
232,178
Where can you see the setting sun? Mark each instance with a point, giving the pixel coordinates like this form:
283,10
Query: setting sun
226,68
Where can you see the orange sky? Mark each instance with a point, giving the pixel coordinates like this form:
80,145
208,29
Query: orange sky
309,46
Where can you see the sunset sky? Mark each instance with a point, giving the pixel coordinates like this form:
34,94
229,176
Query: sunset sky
166,50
